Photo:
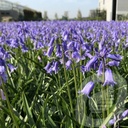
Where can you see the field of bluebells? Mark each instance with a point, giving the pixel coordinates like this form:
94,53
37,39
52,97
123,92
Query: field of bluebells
51,72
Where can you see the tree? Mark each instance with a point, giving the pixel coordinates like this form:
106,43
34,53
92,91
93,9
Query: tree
56,16
65,16
45,15
79,15
97,14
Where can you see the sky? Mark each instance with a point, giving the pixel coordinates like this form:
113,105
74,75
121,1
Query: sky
60,6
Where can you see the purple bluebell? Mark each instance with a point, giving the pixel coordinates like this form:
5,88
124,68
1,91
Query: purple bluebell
24,48
83,68
103,52
2,96
12,43
63,60
124,114
65,36
109,78
2,69
2,39
58,51
47,67
76,56
87,67
70,45
11,68
100,69
113,63
87,54
64,46
112,121
50,71
88,47
39,45
101,43
68,54
2,66
51,41
55,67
83,47
50,51
68,64
3,54
76,46
87,89
116,57
4,77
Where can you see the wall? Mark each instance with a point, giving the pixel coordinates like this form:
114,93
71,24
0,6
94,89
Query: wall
121,8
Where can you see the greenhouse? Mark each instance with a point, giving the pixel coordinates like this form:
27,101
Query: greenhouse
12,11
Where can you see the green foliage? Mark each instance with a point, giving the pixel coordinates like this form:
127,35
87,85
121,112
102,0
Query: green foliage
56,16
65,16
30,15
97,15
45,17
79,15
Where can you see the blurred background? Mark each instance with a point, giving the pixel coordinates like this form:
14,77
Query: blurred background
31,10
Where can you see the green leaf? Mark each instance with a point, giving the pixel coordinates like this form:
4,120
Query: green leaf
28,111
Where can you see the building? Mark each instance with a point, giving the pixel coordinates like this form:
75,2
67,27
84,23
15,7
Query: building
12,11
121,8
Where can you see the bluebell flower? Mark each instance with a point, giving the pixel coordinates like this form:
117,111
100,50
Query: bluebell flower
68,64
100,45
87,54
3,54
103,52
109,78
12,43
58,51
112,121
124,114
12,68
2,69
64,46
2,66
51,41
68,54
88,47
2,96
87,89
55,67
65,36
116,57
76,56
24,48
87,67
113,63
100,69
39,45
50,51
4,77
47,67
70,45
